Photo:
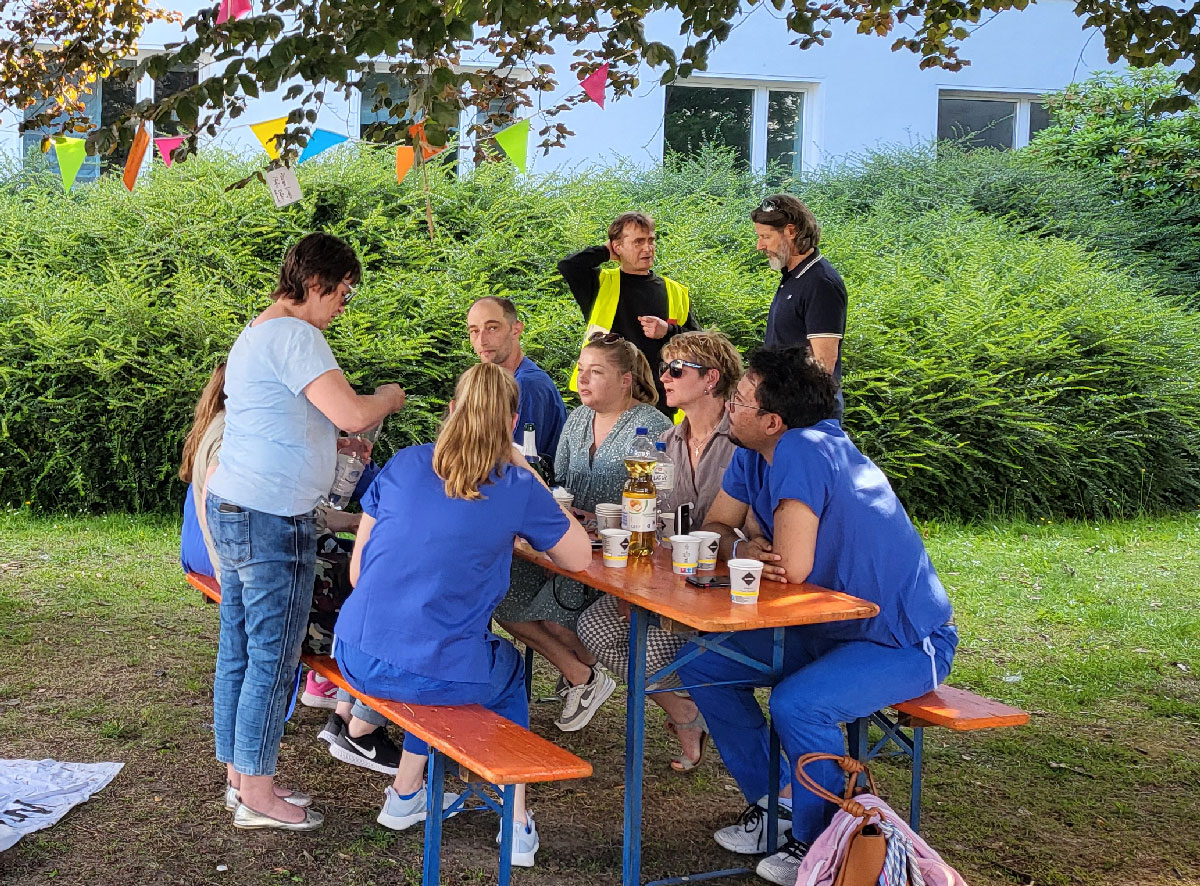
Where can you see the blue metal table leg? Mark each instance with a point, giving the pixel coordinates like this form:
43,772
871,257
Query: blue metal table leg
918,753
529,673
435,780
774,752
635,724
507,797
857,735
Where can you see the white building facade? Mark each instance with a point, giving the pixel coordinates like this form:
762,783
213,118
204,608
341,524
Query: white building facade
769,100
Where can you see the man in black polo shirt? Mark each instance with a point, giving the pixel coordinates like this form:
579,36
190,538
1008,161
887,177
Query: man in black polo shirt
809,307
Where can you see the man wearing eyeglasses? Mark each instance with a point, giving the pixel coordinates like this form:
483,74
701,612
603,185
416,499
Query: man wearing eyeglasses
824,513
495,333
809,307
631,300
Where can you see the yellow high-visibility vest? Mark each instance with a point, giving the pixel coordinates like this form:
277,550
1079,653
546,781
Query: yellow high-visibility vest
604,311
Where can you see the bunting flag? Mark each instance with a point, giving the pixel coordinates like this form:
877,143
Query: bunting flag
418,135
594,84
231,9
137,154
320,140
266,131
515,142
70,153
167,144
404,161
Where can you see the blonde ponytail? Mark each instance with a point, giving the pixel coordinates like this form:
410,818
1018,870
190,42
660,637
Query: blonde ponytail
476,437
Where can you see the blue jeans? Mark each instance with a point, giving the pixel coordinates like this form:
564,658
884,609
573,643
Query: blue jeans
267,568
503,694
824,684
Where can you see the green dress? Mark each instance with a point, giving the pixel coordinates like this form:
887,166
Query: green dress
536,595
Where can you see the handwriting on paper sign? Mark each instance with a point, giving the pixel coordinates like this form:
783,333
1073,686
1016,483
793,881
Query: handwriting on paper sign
283,186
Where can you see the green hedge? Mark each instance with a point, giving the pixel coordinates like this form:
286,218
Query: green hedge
989,371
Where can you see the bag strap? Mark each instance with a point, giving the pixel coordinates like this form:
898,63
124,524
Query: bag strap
853,768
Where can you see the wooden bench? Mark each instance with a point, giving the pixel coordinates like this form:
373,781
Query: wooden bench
498,751
946,707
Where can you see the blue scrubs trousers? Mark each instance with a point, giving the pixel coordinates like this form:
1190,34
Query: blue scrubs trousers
825,683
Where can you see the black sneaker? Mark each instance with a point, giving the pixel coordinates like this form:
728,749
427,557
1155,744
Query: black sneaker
783,867
374,751
333,727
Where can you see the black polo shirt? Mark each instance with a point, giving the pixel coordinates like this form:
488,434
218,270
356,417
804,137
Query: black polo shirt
810,302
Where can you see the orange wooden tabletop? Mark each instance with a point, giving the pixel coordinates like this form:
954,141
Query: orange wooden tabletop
650,583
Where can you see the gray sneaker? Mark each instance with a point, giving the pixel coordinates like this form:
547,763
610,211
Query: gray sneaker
580,703
749,835
783,867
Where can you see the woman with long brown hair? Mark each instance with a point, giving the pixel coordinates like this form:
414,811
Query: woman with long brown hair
430,564
200,449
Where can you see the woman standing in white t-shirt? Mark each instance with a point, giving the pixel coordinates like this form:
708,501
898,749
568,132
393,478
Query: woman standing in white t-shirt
285,400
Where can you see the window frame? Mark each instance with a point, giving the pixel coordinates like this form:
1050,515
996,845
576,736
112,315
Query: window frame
1024,99
761,88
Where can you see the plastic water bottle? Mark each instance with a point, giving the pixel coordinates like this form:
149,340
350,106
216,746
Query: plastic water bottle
348,471
664,472
639,505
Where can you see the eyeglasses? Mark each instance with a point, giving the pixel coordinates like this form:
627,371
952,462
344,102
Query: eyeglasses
732,404
351,291
604,338
675,367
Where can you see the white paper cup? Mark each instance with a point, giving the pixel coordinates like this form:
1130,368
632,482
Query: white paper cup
710,543
744,578
608,516
685,553
562,496
616,547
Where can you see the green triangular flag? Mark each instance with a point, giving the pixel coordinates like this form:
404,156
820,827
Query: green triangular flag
71,152
515,142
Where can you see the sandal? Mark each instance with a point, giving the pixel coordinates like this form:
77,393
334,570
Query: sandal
682,763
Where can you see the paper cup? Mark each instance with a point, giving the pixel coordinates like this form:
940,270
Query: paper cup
710,543
744,578
616,547
685,553
562,496
608,516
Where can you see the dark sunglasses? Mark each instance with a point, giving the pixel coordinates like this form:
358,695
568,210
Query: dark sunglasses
675,367
605,338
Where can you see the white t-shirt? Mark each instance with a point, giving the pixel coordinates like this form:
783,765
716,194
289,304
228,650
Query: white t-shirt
279,451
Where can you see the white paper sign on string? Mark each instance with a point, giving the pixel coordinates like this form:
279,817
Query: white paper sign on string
284,188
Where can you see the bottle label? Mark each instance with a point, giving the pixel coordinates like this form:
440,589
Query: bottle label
663,476
638,514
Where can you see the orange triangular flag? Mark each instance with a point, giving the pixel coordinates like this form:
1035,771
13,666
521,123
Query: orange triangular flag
404,161
418,134
137,154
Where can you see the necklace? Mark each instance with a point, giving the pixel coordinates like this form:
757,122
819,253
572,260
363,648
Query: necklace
698,446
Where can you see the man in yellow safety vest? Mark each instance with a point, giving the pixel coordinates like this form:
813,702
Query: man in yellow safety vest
632,300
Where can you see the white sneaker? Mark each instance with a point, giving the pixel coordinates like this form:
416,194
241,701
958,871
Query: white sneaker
782,867
749,835
399,814
581,702
525,843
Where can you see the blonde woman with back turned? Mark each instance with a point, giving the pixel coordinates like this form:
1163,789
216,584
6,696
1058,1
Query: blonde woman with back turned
430,564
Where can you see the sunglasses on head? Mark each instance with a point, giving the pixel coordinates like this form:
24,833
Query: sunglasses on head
768,206
605,338
675,367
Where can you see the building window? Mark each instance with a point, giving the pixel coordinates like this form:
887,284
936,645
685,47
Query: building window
110,99
763,124
368,113
990,120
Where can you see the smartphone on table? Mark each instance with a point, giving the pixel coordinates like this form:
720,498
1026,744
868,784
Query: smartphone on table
709,581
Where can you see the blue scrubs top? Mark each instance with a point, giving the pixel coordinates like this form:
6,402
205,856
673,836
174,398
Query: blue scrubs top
542,404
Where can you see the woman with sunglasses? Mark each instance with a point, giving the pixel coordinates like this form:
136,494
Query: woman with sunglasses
699,372
285,399
617,390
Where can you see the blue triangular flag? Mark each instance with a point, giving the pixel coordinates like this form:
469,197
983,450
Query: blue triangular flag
320,140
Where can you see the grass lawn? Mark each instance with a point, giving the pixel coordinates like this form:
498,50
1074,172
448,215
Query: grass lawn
107,655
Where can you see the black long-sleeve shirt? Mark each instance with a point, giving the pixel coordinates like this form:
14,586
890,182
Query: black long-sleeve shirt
641,296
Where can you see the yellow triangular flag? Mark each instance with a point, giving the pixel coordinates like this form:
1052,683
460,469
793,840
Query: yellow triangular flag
266,131
70,152
515,142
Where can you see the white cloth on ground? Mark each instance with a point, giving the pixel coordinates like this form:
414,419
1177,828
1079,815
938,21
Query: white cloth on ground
34,794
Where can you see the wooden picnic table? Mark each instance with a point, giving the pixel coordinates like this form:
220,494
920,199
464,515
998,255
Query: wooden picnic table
654,591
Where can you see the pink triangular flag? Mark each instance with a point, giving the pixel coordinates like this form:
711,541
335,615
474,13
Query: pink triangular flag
594,84
168,144
231,9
